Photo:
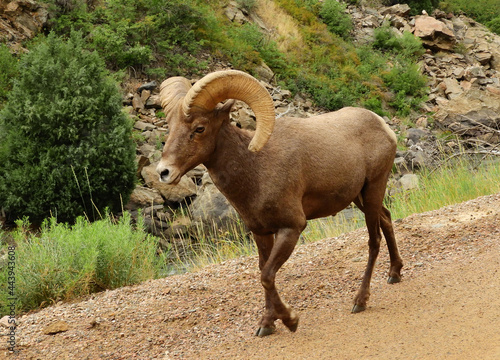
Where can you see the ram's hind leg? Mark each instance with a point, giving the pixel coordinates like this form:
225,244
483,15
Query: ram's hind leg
396,261
370,202
388,230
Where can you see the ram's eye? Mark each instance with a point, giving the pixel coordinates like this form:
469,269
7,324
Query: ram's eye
199,129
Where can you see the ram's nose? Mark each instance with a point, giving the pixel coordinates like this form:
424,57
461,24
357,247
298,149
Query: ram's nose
163,171
168,174
164,175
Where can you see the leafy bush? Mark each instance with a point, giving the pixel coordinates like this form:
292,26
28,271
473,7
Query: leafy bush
63,262
66,144
333,14
8,70
406,45
146,35
494,25
248,47
409,85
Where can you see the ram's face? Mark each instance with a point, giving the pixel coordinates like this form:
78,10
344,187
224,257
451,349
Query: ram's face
195,115
190,141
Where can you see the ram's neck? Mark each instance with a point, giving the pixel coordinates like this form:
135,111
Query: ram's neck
233,168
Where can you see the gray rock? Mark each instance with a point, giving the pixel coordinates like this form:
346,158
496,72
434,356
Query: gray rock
408,182
150,86
416,135
173,193
210,206
143,126
398,9
143,197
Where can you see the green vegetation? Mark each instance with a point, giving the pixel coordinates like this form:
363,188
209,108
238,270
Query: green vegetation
486,12
213,244
65,144
469,178
333,15
64,263
8,70
165,38
161,38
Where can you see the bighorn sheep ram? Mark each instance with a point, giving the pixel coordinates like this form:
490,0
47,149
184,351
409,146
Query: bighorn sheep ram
296,170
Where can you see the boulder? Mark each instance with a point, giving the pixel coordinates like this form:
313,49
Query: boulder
408,182
173,193
210,206
402,10
452,88
415,135
141,161
153,102
434,33
234,13
472,113
143,197
150,86
484,45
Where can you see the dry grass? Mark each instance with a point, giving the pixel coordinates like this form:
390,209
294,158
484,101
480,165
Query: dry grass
284,29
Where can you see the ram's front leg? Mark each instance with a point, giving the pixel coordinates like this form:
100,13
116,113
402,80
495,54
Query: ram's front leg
272,255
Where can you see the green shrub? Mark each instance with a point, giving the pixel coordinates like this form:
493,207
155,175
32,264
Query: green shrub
64,263
494,25
8,70
66,144
333,14
145,35
409,84
247,47
406,78
406,45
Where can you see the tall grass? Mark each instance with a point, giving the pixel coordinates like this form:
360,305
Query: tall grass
209,243
63,262
457,180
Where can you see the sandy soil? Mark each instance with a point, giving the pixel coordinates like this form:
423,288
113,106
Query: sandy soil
446,307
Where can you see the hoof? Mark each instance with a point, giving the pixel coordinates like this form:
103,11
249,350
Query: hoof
393,280
293,327
264,331
357,308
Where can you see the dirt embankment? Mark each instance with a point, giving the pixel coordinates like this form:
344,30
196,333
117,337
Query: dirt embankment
447,307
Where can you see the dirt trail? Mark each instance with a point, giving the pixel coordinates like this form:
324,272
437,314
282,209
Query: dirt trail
447,307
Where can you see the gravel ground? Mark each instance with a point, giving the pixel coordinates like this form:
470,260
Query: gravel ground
446,307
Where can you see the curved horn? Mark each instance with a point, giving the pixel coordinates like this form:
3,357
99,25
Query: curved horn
172,91
232,84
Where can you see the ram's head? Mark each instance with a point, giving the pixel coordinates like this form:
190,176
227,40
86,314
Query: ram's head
195,115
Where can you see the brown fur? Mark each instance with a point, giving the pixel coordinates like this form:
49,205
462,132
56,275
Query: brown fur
309,168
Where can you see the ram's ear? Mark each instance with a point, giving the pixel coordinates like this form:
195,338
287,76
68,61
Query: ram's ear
225,107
